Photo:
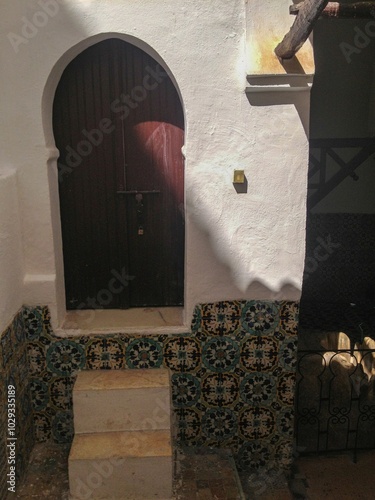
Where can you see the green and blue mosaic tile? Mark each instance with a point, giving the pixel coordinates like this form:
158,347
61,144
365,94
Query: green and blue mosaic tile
233,375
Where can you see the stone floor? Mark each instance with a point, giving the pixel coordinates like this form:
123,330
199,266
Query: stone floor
328,477
207,475
335,477
201,474
211,475
47,473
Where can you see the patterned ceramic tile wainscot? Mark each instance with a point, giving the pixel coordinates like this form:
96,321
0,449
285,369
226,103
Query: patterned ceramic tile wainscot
15,371
232,376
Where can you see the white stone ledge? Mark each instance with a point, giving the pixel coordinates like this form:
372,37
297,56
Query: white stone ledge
274,83
275,89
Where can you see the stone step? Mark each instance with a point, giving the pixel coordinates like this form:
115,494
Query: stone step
122,400
121,465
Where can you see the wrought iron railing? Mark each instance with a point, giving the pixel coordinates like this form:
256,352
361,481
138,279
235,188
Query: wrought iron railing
335,400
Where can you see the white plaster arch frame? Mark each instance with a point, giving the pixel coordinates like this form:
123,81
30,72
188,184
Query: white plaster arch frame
58,312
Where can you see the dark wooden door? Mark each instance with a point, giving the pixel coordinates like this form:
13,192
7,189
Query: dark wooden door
119,127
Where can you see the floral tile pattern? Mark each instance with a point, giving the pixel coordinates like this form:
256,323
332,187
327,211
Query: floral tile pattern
60,391
289,318
258,389
221,354
65,357
220,389
33,322
233,375
105,354
255,455
182,354
259,317
257,423
221,318
62,427
14,369
37,358
185,390
259,353
39,394
6,347
287,355
285,388
144,353
219,424
189,425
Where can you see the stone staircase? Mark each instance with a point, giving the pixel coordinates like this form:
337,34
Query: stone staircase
122,444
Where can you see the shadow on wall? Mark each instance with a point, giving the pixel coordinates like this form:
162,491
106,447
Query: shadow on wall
285,90
341,99
291,88
224,262
240,280
339,264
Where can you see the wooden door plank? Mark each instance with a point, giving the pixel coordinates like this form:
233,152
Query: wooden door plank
142,151
150,167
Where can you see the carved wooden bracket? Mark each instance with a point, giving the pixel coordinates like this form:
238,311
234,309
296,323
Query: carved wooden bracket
309,12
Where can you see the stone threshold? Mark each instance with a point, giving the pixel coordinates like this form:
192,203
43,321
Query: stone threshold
145,321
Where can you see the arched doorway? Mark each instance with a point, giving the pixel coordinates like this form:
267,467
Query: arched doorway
119,127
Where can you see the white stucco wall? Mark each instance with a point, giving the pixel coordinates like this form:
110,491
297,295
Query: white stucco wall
11,262
267,22
237,245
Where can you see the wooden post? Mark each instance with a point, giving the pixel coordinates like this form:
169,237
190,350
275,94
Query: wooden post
336,10
309,12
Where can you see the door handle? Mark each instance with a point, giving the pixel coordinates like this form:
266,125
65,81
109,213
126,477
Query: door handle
139,206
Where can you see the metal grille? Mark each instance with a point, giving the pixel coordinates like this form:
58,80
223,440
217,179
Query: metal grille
335,400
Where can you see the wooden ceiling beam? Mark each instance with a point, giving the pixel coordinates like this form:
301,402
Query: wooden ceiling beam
309,12
337,10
